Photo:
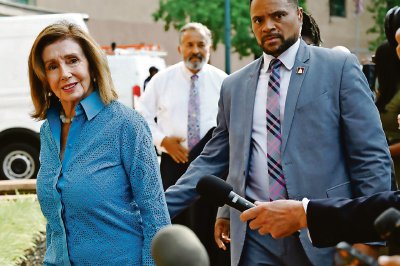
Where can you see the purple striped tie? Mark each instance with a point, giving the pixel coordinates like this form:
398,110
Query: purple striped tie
193,113
277,184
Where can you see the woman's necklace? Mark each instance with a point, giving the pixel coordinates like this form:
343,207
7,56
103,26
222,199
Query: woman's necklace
64,119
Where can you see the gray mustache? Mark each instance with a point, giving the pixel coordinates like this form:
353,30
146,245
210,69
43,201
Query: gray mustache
198,56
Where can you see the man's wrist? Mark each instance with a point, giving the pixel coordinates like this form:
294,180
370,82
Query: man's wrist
162,143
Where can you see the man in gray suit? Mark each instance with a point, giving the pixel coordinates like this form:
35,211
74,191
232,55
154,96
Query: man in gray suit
320,138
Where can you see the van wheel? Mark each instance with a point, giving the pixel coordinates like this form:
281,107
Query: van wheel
18,161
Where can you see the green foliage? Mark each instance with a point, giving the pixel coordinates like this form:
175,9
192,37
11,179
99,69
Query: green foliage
177,13
20,221
379,8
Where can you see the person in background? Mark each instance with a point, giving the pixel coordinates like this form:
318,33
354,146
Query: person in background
152,71
99,184
184,99
388,99
113,47
284,134
310,31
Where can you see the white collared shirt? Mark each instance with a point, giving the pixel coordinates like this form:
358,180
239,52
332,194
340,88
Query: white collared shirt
257,182
167,95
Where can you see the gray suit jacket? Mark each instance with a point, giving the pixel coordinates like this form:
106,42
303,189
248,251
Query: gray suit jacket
333,143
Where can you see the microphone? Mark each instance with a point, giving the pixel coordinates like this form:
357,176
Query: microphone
177,245
388,227
218,192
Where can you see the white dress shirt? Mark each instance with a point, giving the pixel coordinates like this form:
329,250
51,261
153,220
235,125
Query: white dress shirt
167,95
257,183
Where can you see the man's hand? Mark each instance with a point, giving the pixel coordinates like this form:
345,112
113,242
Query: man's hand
279,218
389,260
222,231
371,251
174,148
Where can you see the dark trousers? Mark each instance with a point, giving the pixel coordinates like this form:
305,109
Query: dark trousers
200,217
170,173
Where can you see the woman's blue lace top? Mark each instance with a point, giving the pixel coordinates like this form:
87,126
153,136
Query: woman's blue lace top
104,202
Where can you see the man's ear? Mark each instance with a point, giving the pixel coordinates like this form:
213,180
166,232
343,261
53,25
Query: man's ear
179,49
300,14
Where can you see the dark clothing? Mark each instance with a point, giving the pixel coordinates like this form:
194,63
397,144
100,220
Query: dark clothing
146,81
200,217
333,220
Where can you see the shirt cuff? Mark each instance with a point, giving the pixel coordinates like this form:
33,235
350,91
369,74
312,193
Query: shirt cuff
305,202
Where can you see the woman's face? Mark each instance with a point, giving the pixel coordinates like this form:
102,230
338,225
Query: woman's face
67,71
397,36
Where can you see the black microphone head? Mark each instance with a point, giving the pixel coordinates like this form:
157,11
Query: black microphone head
214,189
387,223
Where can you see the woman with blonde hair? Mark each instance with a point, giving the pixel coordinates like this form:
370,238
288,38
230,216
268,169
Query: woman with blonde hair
98,185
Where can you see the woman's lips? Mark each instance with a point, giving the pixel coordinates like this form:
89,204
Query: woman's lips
69,87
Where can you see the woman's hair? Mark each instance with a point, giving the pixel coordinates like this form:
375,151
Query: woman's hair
387,67
392,23
41,94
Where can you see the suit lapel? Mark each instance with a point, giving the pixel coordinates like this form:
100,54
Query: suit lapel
250,96
299,72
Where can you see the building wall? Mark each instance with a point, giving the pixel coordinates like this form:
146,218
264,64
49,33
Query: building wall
130,21
349,32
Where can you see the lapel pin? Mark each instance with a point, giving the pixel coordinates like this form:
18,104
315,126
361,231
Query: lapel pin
300,70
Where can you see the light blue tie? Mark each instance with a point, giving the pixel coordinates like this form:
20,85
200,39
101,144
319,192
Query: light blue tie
193,113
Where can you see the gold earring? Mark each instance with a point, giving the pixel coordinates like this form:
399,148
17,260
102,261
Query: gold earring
49,94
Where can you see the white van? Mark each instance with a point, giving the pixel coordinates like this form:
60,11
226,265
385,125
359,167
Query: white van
129,69
19,138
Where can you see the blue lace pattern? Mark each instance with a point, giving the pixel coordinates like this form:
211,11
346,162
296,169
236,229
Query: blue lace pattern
104,202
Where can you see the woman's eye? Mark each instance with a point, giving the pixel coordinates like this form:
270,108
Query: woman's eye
51,67
73,60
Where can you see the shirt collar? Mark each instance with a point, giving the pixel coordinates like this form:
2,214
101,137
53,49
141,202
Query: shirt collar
189,74
287,57
92,105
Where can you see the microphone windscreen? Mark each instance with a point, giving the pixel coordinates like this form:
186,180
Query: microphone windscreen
177,245
387,222
214,189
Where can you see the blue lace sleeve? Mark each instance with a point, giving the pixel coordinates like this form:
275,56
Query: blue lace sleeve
140,162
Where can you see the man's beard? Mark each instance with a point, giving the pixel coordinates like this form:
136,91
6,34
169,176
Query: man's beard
198,65
283,47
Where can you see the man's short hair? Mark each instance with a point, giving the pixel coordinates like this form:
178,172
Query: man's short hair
197,27
153,69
